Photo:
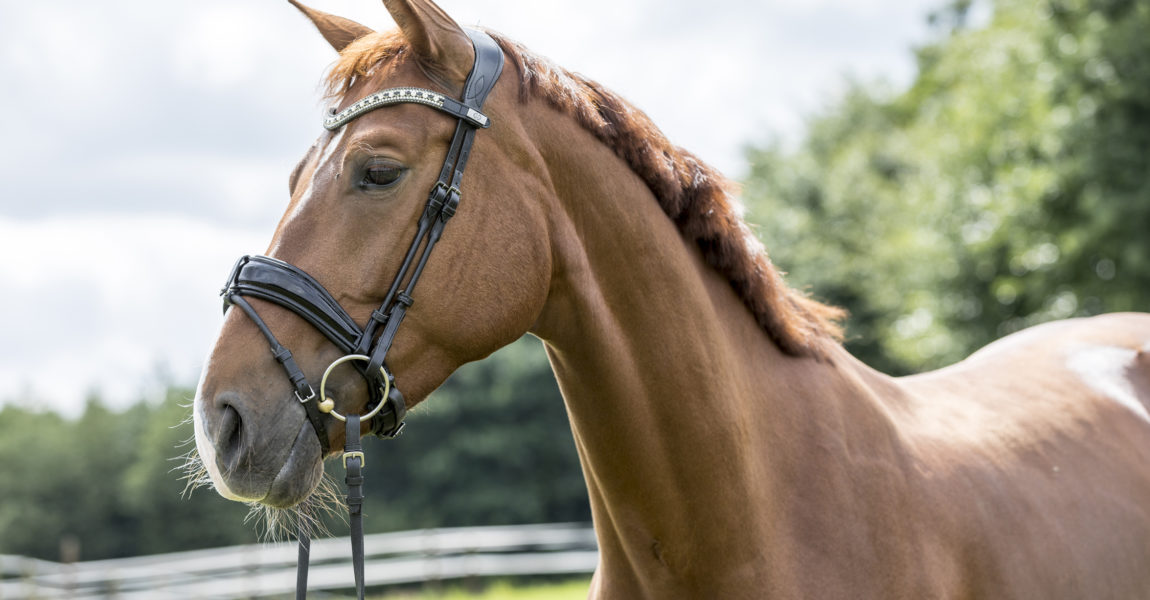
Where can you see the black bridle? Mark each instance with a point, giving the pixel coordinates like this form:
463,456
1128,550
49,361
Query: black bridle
281,283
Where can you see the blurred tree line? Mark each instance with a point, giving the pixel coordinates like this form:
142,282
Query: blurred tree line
492,446
1008,185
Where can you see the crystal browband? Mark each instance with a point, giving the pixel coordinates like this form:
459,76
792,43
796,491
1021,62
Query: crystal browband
405,95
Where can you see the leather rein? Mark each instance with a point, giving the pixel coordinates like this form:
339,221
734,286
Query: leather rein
288,286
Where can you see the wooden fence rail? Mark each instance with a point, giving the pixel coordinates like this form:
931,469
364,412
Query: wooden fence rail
268,570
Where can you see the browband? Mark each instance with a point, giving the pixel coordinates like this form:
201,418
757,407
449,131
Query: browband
403,95
488,65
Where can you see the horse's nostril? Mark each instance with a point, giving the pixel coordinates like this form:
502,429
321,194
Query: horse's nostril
230,435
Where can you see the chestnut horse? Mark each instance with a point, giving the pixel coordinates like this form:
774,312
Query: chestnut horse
731,447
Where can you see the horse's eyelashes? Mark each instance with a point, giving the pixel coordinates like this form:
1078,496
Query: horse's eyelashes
379,176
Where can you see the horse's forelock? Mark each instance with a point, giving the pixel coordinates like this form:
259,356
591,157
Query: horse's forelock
361,58
693,194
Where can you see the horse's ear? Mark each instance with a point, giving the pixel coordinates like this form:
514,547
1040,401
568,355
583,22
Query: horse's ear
338,31
435,37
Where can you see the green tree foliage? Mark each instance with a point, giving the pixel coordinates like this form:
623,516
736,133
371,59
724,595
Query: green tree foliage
166,516
1009,185
107,481
492,446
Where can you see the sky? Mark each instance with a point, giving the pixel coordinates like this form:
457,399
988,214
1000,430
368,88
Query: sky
145,145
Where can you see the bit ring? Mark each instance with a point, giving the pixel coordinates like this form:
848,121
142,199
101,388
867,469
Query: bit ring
339,361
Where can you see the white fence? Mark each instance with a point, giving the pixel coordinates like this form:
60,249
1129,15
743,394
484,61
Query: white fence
268,570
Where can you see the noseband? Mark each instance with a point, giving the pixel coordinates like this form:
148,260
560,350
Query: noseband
288,286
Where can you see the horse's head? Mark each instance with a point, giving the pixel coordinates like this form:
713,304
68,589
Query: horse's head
357,200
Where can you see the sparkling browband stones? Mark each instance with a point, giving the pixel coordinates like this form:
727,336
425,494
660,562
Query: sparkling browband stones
401,95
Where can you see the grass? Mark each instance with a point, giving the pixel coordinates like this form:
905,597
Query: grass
502,590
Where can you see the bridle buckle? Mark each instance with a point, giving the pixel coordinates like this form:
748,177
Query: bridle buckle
450,203
310,397
347,455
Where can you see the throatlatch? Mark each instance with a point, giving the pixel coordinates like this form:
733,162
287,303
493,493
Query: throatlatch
281,283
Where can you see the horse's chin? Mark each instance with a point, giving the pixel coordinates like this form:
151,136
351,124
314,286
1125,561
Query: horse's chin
301,472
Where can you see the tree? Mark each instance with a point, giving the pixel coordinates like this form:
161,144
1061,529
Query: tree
167,515
1008,186
492,446
66,489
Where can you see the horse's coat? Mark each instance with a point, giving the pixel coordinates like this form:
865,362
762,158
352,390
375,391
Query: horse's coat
1105,369
732,449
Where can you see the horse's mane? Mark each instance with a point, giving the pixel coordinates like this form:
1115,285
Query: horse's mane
694,195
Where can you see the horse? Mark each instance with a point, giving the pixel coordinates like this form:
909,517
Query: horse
731,446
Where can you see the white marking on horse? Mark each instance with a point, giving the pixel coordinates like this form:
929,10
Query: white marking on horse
1104,369
208,456
325,155
204,445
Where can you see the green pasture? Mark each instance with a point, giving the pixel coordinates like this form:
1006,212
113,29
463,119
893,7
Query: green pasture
502,590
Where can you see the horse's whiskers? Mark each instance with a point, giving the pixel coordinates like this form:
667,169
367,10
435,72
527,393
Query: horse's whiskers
195,473
273,524
307,517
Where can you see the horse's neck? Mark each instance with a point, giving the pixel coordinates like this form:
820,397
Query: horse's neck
697,435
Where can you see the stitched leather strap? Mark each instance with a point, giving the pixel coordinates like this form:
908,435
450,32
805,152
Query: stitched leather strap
284,284
303,390
441,203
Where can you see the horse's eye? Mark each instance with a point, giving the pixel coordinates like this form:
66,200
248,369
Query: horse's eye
381,176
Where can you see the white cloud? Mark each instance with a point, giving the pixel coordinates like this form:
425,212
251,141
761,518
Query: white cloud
59,45
221,46
101,301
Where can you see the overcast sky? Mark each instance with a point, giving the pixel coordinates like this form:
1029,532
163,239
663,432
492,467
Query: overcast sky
145,145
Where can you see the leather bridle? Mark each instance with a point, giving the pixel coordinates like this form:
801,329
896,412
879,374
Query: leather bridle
281,283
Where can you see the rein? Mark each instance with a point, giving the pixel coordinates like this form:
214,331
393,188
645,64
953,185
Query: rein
288,286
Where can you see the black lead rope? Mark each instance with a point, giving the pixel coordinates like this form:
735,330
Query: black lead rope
353,462
302,560
353,465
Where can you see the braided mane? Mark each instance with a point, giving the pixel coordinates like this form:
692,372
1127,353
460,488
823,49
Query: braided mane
694,195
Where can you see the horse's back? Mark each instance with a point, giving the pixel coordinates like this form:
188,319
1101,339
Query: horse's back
1106,357
1120,330
1036,450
